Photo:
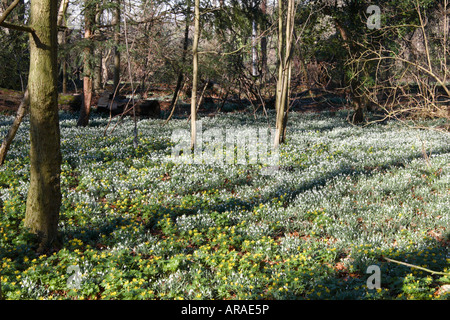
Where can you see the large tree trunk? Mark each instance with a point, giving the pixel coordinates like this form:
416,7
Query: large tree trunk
195,74
44,193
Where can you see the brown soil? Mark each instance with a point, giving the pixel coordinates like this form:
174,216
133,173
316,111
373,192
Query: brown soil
10,100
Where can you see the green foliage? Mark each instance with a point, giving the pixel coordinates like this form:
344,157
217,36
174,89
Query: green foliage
14,59
140,225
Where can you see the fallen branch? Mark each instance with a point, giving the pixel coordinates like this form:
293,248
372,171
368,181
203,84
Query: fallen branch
416,267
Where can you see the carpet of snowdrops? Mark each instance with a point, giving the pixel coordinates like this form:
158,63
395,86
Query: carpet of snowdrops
139,223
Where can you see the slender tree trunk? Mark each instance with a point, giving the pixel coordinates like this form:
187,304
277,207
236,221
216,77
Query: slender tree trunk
254,50
44,193
97,82
284,71
62,12
87,68
183,57
97,76
195,74
62,40
64,76
263,42
358,101
280,57
116,45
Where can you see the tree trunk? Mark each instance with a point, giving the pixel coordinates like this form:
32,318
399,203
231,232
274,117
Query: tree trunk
64,76
44,193
358,101
195,74
62,12
183,57
280,59
263,42
87,68
98,53
116,45
284,72
62,40
97,82
254,50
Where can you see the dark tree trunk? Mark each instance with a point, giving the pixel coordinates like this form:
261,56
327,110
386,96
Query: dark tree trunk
183,58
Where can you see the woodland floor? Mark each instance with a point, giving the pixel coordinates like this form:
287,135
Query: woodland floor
148,223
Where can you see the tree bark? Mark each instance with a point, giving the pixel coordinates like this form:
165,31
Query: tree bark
85,111
116,45
44,193
98,53
284,71
263,42
254,49
62,12
62,40
97,83
280,58
195,74
183,57
64,76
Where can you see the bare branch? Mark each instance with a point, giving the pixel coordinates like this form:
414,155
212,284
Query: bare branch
8,11
17,27
15,126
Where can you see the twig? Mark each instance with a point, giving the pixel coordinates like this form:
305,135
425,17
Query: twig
125,111
110,108
417,267
200,99
174,104
135,140
424,153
